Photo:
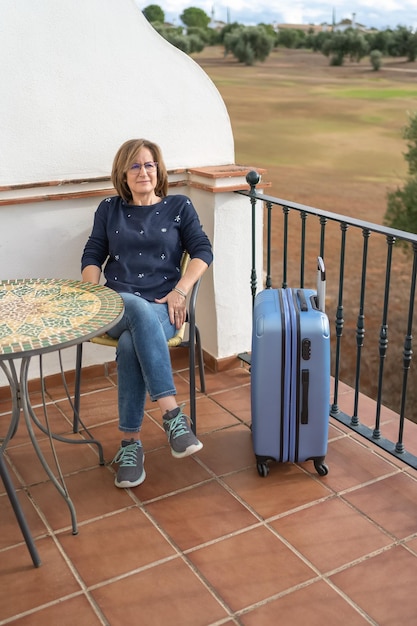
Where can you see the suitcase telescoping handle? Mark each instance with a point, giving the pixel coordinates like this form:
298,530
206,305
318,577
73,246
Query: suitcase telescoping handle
321,284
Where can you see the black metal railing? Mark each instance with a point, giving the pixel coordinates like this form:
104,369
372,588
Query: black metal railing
371,280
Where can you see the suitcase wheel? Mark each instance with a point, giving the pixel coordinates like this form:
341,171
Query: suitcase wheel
263,469
321,468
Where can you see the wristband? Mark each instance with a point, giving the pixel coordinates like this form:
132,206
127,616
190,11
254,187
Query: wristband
184,295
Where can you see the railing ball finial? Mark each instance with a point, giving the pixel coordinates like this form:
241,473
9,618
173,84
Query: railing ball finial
253,178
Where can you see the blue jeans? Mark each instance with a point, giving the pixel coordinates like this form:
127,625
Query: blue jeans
143,359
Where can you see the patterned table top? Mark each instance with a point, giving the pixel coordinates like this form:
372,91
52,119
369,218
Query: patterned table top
41,315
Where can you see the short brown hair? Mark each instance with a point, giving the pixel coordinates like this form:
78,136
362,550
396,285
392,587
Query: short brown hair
124,158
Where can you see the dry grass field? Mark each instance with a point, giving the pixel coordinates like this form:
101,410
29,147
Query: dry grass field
323,133
331,137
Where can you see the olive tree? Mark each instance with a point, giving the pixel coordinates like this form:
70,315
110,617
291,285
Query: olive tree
195,17
249,44
349,43
376,59
154,13
401,210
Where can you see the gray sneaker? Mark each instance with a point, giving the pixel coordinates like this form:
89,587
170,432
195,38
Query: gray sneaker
130,457
182,440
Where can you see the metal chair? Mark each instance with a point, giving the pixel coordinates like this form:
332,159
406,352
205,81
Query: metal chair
193,343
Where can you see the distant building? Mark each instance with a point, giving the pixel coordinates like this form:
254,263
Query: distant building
347,23
307,28
341,26
217,25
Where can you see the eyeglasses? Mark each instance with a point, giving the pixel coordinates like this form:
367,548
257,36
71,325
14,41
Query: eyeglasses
149,166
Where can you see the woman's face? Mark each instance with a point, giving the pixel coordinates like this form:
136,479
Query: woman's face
142,175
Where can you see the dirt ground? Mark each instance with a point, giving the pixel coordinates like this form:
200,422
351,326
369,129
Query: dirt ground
331,138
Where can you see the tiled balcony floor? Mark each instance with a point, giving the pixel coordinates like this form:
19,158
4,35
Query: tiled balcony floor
205,540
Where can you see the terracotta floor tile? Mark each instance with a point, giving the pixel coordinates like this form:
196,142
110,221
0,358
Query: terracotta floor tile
5,402
88,384
228,450
182,386
383,586
71,457
10,531
211,416
243,569
331,520
28,587
152,434
335,431
391,503
12,475
366,408
367,412
201,514
131,541
411,471
310,532
391,431
169,593
412,545
93,494
285,488
166,474
340,426
228,379
59,424
77,611
109,436
237,401
180,358
99,406
5,424
343,473
316,605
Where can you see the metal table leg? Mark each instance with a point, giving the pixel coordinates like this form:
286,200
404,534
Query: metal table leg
27,412
18,511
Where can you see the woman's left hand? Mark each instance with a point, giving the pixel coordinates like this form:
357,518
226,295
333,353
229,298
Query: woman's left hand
176,308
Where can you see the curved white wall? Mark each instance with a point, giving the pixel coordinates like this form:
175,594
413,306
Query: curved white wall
79,78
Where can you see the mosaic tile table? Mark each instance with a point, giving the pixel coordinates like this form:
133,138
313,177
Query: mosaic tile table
39,316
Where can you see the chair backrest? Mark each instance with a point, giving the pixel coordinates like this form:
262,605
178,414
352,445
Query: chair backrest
179,335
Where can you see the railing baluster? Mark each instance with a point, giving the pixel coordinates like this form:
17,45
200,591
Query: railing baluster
408,353
360,328
268,283
253,179
285,211
339,319
323,222
303,216
383,337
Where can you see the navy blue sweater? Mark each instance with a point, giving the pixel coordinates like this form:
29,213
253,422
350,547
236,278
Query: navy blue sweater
142,246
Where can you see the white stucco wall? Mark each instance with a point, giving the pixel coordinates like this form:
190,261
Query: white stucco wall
78,78
225,300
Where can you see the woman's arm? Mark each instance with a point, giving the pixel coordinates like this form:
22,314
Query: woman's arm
176,299
91,274
196,268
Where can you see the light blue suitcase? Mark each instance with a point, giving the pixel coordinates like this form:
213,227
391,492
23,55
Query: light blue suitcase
290,378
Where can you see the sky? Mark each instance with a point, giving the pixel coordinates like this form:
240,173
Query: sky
379,14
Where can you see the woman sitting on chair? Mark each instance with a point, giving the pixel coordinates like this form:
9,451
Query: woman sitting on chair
141,235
